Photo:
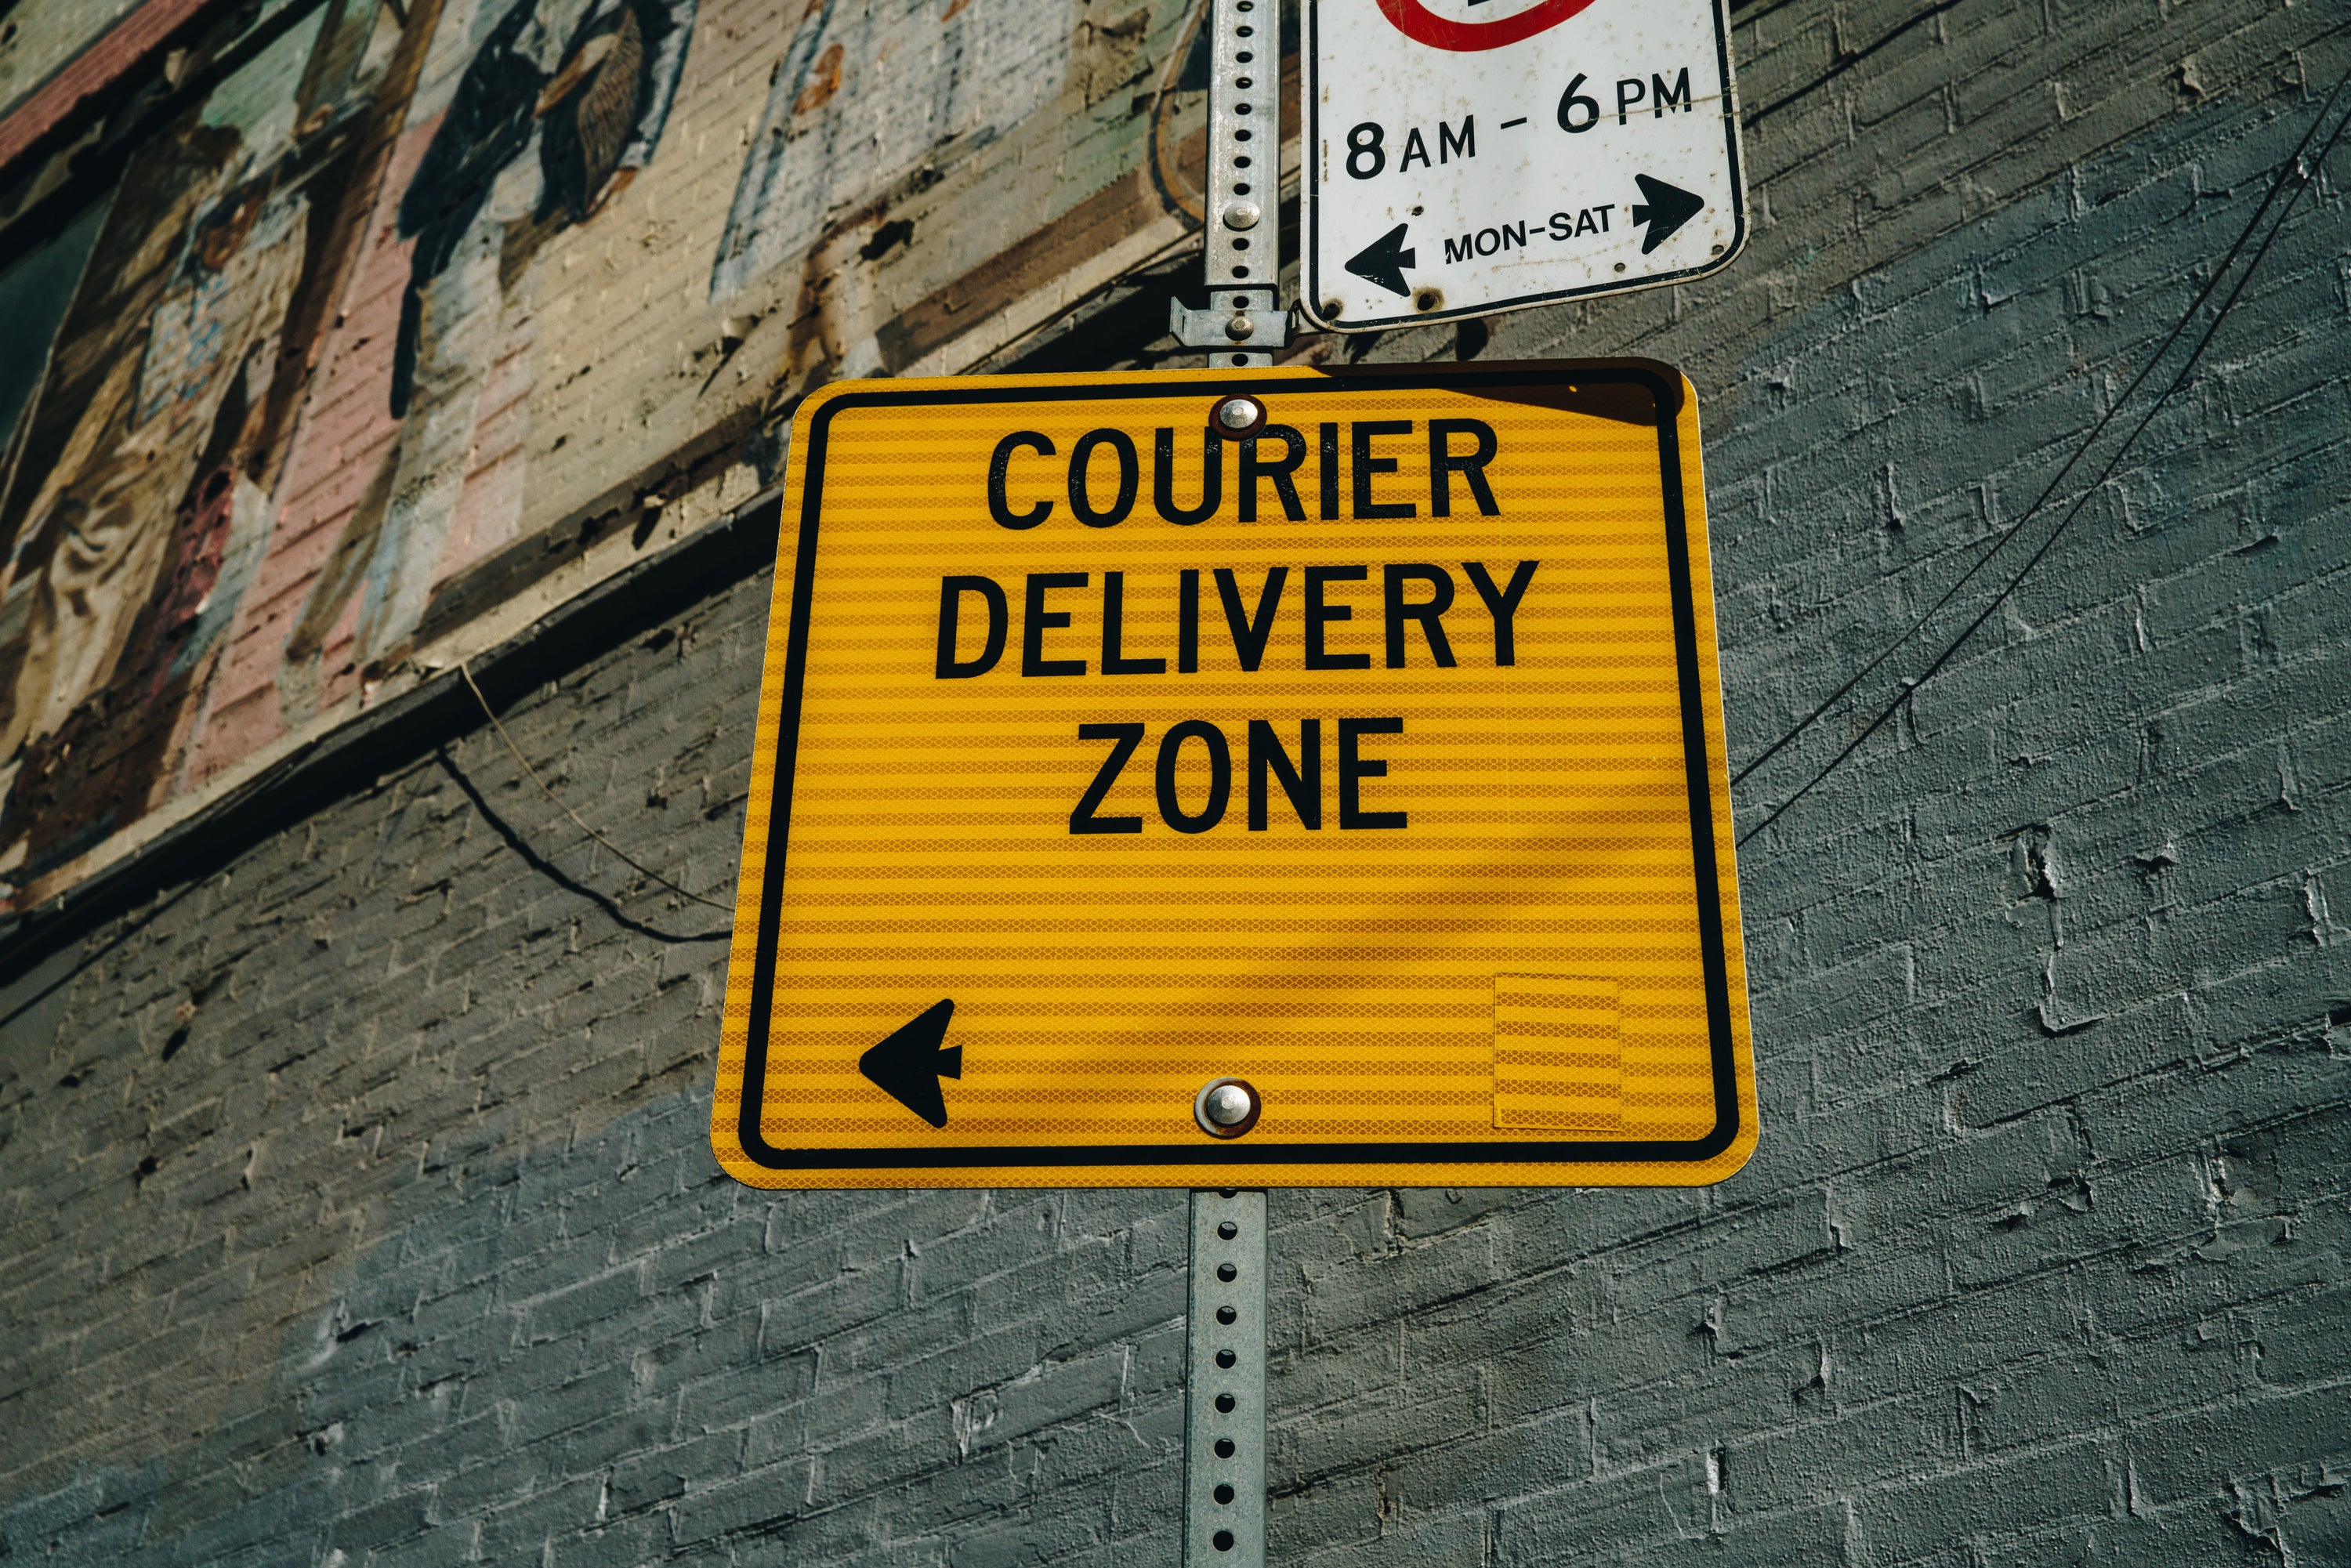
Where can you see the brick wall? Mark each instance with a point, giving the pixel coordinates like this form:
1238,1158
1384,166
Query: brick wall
357,1206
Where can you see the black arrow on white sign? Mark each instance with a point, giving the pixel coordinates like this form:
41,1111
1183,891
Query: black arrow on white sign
1668,208
908,1065
1383,261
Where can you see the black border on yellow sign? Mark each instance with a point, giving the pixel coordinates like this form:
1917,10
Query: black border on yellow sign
1664,388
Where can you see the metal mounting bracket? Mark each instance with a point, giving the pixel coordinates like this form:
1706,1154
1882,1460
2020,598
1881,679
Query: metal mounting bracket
1236,320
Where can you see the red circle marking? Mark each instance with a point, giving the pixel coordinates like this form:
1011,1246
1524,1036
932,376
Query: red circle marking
1422,26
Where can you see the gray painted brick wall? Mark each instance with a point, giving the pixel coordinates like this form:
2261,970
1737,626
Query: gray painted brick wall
358,1206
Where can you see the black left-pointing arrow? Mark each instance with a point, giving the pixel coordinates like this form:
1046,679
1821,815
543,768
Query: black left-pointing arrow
908,1065
1383,261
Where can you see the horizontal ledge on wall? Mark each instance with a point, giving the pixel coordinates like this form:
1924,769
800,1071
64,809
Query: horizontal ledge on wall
347,754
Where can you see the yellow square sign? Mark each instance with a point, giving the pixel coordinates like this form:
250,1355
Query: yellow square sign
1246,778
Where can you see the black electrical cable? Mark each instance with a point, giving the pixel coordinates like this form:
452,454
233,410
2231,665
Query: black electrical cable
547,868
2219,272
540,863
2305,177
577,820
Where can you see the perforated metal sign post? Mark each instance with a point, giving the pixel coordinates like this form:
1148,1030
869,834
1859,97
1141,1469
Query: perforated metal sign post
1469,156
1237,778
1224,1415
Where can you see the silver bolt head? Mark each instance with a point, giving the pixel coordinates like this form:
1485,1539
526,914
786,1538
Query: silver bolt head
1242,216
1238,414
1241,328
1229,1105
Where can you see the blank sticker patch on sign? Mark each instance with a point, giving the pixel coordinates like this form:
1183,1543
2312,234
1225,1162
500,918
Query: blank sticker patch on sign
1558,1056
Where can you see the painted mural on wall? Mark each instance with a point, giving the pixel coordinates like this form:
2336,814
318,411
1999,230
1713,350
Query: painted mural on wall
411,317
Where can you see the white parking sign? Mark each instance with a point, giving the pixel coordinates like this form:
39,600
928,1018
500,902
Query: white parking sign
1471,156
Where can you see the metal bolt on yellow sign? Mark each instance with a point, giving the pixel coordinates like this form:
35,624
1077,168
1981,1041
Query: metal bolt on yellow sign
1248,778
